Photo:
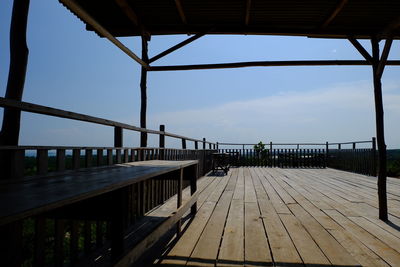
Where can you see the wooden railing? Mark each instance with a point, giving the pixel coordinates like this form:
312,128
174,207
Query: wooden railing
283,158
41,160
295,155
353,159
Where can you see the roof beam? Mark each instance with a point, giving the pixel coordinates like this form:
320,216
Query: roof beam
132,16
361,49
177,46
334,13
390,28
270,64
179,6
247,18
82,14
384,57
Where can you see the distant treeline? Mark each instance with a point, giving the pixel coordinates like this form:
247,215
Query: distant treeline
393,162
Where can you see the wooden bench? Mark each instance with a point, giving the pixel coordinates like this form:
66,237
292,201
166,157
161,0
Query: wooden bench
100,194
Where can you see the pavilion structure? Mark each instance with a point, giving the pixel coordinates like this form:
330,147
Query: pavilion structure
377,21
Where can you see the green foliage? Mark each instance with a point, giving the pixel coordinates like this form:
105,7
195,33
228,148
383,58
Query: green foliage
260,147
393,163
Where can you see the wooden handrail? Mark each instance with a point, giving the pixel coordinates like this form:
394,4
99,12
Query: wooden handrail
44,110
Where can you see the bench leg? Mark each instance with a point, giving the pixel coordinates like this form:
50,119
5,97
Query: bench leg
118,221
193,188
179,203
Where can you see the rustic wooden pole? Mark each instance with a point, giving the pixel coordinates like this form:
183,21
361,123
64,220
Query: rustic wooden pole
143,93
162,142
374,163
380,136
326,154
9,134
11,234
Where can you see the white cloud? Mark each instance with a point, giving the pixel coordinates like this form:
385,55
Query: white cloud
344,112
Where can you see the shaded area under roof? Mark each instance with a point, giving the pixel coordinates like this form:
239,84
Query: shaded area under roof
314,18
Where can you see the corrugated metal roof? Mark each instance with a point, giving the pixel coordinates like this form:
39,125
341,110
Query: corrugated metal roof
359,18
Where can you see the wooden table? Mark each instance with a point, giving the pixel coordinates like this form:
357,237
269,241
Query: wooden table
56,193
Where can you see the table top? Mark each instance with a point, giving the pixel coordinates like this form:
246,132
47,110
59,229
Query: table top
26,197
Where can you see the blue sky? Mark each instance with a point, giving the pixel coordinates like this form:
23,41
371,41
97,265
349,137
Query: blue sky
73,69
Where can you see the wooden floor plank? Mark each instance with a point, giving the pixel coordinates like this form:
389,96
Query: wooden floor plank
388,254
232,246
206,250
306,246
256,252
335,252
283,250
257,216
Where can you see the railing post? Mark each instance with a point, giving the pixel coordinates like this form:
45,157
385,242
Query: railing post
339,146
354,145
217,146
162,142
374,163
183,143
204,143
196,145
209,146
326,154
118,137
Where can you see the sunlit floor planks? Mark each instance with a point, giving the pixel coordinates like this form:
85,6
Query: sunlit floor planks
289,217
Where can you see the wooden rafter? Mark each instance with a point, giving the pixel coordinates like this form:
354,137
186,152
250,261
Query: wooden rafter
394,25
179,6
247,18
270,64
132,16
177,46
361,49
334,13
74,7
384,57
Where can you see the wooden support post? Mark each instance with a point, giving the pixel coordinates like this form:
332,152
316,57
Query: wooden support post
60,160
217,146
118,137
183,143
380,135
42,161
193,186
143,93
162,142
326,154
179,200
374,163
204,143
9,133
354,145
118,221
196,145
339,146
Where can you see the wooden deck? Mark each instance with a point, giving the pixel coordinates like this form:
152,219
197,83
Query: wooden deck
289,217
